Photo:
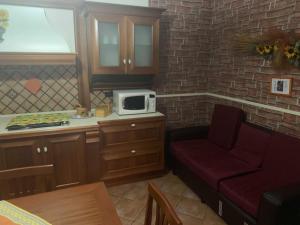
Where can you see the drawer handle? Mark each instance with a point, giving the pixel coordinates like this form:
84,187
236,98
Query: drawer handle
45,149
38,150
133,151
133,125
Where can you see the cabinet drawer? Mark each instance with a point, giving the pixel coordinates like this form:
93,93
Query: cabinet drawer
130,132
128,161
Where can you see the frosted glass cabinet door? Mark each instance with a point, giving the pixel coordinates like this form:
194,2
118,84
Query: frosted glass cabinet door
108,47
143,45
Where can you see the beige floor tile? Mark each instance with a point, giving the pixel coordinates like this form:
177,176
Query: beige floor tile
137,192
189,220
130,201
188,193
174,188
191,207
173,199
129,209
115,199
126,221
211,218
120,190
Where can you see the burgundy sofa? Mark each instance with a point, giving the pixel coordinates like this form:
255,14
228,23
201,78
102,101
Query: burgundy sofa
247,174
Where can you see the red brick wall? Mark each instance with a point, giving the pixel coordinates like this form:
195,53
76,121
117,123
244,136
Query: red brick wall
184,59
249,77
196,57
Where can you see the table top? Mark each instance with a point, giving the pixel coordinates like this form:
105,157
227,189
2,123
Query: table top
82,205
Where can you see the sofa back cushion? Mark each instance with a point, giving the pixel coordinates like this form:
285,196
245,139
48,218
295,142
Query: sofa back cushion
283,154
251,145
225,123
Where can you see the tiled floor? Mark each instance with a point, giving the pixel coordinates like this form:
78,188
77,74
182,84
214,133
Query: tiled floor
130,201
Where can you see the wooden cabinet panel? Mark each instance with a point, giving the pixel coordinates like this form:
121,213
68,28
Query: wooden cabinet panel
123,40
131,147
17,156
143,45
130,131
19,153
107,44
66,153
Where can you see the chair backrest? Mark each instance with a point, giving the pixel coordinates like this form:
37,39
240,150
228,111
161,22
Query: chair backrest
25,181
164,213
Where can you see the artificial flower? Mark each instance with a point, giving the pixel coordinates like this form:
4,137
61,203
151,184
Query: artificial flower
260,49
289,52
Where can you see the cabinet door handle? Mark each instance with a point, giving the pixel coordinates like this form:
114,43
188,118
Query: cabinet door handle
124,61
133,151
45,149
132,125
129,61
38,150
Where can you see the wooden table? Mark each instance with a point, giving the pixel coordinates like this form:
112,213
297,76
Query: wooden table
82,205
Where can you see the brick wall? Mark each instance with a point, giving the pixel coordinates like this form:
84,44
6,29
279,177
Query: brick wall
184,59
249,77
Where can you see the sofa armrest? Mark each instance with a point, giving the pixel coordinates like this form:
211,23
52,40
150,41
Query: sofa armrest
280,207
187,133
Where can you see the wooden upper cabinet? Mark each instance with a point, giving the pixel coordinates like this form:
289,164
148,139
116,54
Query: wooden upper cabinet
123,39
108,49
143,45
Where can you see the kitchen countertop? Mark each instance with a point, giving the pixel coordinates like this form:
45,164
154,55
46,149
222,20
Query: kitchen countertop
86,123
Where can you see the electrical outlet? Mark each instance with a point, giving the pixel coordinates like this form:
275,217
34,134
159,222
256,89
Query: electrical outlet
12,94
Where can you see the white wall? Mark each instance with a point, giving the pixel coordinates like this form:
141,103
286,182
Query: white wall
124,2
33,29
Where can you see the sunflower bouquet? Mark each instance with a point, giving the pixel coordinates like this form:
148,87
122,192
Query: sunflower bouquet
4,17
282,48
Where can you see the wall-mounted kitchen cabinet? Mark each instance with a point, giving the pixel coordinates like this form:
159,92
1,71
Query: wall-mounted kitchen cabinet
36,35
123,39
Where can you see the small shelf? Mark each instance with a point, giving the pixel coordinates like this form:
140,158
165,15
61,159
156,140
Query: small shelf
38,58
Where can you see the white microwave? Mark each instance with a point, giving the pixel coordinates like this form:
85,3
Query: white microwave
126,102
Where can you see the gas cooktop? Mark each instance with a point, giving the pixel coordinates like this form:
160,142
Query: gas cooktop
38,121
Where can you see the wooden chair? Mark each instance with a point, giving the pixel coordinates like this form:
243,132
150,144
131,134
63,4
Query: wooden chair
165,214
25,181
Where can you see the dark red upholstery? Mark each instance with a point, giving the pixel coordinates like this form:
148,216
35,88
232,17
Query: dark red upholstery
224,126
283,154
190,150
219,167
281,167
251,145
208,161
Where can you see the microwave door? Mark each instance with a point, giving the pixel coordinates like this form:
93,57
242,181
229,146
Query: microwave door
134,103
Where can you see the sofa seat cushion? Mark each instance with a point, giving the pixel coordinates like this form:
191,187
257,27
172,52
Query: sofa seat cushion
224,126
246,191
208,161
218,167
251,145
197,149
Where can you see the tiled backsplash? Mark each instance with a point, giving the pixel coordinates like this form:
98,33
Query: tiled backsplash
59,89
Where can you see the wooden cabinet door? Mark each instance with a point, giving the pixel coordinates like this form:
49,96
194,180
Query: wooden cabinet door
107,44
143,45
16,156
66,153
19,153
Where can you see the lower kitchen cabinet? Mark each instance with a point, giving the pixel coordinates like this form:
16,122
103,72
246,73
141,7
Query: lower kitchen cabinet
66,153
131,148
38,164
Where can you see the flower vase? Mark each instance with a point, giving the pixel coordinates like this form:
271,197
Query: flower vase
2,31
